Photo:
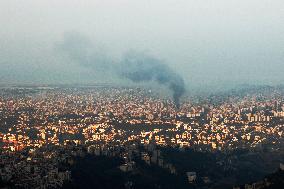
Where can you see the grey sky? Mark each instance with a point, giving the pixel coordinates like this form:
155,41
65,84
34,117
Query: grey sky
209,42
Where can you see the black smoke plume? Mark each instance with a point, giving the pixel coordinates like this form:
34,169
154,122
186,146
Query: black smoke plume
135,66
140,67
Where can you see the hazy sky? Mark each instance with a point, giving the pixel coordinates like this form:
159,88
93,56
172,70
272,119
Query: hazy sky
209,42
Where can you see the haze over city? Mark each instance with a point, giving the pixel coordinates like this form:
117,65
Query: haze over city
135,94
210,44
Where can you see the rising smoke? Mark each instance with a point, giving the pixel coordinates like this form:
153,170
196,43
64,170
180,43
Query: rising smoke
140,67
134,66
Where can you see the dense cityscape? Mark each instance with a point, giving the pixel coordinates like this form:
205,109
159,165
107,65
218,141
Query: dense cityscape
43,130
141,94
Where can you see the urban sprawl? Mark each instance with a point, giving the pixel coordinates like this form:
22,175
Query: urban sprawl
41,128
